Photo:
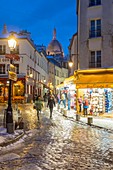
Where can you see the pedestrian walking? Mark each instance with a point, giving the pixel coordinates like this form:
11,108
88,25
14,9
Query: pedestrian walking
63,99
38,106
85,106
51,104
45,97
80,103
69,99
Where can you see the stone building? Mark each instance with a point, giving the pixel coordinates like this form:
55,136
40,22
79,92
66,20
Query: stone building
94,38
31,68
56,56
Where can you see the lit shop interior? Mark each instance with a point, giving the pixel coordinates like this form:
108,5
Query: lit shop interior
100,99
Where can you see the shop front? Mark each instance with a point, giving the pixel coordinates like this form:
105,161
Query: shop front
97,87
18,89
68,85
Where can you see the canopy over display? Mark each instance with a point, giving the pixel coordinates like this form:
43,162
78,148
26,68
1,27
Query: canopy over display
95,78
69,80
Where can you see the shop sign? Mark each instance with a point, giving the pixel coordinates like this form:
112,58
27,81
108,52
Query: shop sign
12,68
80,86
12,76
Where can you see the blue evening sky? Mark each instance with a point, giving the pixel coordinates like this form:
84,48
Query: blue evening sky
40,17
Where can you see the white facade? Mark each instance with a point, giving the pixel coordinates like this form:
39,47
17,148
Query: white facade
32,65
60,75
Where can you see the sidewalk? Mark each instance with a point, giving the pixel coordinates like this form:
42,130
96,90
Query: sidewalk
104,121
7,139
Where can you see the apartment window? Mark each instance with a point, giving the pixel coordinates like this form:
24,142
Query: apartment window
2,68
94,2
95,59
17,68
95,28
2,49
16,50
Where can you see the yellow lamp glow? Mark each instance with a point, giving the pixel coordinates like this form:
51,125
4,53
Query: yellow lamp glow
12,42
70,63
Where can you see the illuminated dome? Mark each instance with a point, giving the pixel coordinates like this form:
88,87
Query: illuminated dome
54,48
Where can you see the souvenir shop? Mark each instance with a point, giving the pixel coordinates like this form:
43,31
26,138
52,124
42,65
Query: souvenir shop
69,85
97,86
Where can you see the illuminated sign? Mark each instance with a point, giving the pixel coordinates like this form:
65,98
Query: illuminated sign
12,76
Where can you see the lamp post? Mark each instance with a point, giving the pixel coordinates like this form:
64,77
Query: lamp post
70,63
9,113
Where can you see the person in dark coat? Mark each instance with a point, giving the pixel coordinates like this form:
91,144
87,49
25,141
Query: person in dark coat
51,104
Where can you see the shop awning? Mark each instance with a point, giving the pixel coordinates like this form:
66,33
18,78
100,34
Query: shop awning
44,85
60,86
70,79
67,81
94,81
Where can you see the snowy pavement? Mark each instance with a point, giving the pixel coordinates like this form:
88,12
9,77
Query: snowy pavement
98,121
102,122
6,139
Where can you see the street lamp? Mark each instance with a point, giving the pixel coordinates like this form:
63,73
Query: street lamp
9,114
70,63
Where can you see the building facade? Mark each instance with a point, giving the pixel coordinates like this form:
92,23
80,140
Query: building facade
94,48
95,33
55,55
31,68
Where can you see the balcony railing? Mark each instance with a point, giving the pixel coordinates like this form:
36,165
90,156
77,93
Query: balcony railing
94,33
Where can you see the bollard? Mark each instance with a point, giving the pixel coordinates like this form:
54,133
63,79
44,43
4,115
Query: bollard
77,117
61,110
90,120
58,107
64,112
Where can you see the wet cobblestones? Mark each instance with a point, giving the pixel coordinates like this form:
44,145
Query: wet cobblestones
62,144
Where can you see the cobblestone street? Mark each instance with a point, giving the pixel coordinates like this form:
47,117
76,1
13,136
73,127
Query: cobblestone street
61,144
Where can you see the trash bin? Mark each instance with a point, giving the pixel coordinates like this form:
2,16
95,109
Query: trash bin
58,107
90,120
21,125
77,117
61,110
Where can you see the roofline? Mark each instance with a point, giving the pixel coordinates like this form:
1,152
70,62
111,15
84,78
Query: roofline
74,35
24,38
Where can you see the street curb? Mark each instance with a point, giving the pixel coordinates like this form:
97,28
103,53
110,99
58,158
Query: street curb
92,125
3,144
86,124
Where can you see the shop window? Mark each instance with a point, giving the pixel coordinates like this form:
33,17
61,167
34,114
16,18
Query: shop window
2,68
2,49
94,2
1,91
18,89
95,59
95,28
